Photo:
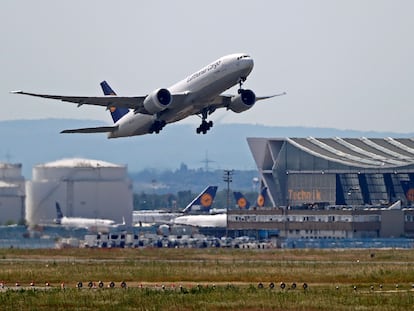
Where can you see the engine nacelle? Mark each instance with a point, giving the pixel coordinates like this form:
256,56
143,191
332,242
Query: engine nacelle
243,101
157,101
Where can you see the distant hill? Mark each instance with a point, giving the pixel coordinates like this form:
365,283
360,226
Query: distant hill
32,142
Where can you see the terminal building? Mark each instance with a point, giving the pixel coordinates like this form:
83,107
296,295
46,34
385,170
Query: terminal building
332,187
82,187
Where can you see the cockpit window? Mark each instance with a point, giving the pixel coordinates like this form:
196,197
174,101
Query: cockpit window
243,56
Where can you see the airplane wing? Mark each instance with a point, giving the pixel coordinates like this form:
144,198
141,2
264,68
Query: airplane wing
134,102
130,102
88,130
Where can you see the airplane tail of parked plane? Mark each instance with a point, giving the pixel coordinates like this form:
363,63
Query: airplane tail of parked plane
116,113
59,214
261,199
243,203
202,203
241,200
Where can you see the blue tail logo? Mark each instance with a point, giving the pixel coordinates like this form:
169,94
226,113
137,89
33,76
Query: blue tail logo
59,214
116,113
203,202
241,200
261,199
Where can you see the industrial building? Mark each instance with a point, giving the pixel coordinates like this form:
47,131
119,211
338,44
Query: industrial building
12,194
331,188
82,187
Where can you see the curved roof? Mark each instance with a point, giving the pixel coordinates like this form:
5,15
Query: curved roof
79,162
361,152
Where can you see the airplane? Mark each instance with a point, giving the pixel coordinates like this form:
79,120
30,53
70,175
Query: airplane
93,224
219,220
261,199
241,200
198,94
200,204
203,221
243,203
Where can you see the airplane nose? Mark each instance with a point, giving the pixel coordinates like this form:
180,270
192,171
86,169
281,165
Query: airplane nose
248,65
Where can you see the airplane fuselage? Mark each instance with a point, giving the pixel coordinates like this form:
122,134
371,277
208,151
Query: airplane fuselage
85,222
200,88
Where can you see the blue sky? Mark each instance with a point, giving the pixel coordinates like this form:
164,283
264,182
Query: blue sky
344,64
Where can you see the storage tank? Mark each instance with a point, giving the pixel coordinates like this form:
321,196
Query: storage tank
12,194
82,187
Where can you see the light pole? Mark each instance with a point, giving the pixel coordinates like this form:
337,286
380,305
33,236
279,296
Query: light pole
228,178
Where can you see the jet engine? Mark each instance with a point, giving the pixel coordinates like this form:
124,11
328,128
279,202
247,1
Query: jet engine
243,101
157,101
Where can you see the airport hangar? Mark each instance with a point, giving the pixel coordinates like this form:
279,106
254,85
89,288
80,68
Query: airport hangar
332,187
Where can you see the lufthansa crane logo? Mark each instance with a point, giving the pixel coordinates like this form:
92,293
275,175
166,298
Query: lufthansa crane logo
260,201
410,195
206,200
242,203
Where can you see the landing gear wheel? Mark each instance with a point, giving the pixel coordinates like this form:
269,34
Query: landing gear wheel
157,126
204,127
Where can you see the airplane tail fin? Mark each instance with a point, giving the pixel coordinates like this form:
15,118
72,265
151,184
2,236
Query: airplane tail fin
261,199
59,214
241,200
202,203
116,113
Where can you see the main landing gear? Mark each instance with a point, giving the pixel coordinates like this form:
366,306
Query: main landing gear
205,125
157,126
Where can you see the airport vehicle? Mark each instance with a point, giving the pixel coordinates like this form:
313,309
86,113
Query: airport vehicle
92,224
198,94
201,204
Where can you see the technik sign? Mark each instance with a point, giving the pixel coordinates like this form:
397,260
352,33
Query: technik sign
305,196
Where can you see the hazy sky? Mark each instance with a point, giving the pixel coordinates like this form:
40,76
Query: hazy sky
344,64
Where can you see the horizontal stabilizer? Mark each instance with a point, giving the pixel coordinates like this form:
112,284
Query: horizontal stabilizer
88,130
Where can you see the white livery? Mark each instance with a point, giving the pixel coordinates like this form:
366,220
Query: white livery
198,94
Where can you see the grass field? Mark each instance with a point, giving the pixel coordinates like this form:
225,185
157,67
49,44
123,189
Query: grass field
208,279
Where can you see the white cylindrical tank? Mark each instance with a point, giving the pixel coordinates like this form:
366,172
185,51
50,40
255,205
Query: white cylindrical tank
12,193
82,187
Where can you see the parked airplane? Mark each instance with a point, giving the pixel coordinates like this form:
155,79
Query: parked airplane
203,221
201,204
241,200
218,220
93,224
243,203
261,199
198,94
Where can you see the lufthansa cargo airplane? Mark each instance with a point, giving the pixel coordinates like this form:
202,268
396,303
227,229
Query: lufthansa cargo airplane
198,94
